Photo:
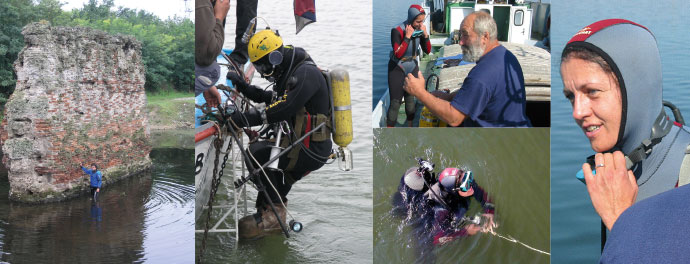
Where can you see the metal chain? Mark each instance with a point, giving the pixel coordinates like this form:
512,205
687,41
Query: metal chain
215,182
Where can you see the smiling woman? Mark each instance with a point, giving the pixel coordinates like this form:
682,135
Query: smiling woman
611,72
617,100
593,90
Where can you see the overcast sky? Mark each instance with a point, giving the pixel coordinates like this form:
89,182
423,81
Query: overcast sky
162,9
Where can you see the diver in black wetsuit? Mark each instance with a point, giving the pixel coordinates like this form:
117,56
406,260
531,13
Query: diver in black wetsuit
436,207
303,101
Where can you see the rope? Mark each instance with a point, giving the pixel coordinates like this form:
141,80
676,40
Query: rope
511,239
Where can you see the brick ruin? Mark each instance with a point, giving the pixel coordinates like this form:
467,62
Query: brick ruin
79,98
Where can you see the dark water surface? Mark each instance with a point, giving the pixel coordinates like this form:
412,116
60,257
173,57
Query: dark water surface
575,233
146,218
511,164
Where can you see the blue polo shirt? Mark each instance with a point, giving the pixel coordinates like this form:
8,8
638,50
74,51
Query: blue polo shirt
493,93
654,230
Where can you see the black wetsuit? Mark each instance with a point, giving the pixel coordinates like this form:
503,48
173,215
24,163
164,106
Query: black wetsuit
430,219
396,75
306,87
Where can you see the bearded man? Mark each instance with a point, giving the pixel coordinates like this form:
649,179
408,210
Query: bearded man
492,94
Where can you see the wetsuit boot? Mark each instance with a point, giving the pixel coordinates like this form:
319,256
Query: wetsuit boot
262,223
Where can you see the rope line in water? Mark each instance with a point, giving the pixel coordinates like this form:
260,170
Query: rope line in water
511,239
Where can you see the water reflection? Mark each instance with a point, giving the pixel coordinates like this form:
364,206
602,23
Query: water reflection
144,218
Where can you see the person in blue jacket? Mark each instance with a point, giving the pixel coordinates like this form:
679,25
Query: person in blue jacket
95,178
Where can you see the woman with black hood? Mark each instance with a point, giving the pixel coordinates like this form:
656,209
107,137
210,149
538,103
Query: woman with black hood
406,39
612,76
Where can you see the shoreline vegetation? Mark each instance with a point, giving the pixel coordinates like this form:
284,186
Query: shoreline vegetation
167,50
170,110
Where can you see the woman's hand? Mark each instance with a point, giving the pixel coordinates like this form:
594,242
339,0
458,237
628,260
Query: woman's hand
408,31
613,189
426,34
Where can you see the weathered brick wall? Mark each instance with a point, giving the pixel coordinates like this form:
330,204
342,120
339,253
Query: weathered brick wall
79,98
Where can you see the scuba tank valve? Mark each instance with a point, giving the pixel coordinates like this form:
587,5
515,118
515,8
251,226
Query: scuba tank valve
249,32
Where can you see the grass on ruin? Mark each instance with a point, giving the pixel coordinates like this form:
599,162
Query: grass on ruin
169,107
161,97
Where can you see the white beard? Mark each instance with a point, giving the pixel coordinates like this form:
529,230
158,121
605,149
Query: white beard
472,53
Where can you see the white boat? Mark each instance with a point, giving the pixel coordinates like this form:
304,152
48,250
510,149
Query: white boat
207,130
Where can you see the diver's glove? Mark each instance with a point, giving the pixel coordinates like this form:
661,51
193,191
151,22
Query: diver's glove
249,119
252,92
237,80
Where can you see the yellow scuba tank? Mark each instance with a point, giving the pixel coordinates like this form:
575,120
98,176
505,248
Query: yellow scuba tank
341,115
428,119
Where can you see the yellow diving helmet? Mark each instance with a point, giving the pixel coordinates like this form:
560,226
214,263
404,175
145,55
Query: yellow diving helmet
262,43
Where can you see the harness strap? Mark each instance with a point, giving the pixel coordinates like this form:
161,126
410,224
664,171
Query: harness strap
306,130
684,175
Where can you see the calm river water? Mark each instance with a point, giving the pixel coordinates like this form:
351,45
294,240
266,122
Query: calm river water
146,218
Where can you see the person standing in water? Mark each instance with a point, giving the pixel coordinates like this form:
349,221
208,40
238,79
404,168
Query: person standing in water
95,178
406,40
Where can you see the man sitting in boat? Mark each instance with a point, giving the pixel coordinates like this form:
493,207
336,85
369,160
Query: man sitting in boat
300,96
439,210
492,94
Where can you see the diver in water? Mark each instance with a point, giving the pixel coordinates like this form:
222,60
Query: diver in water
301,97
406,39
437,206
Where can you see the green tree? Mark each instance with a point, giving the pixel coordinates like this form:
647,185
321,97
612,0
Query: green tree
167,45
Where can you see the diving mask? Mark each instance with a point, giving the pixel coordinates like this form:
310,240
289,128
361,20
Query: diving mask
465,183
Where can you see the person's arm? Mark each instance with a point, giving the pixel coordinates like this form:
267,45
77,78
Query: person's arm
210,35
100,180
252,92
398,42
439,107
87,171
614,187
256,94
309,80
425,41
489,208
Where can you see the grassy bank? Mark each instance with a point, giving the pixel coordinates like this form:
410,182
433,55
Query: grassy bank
170,110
